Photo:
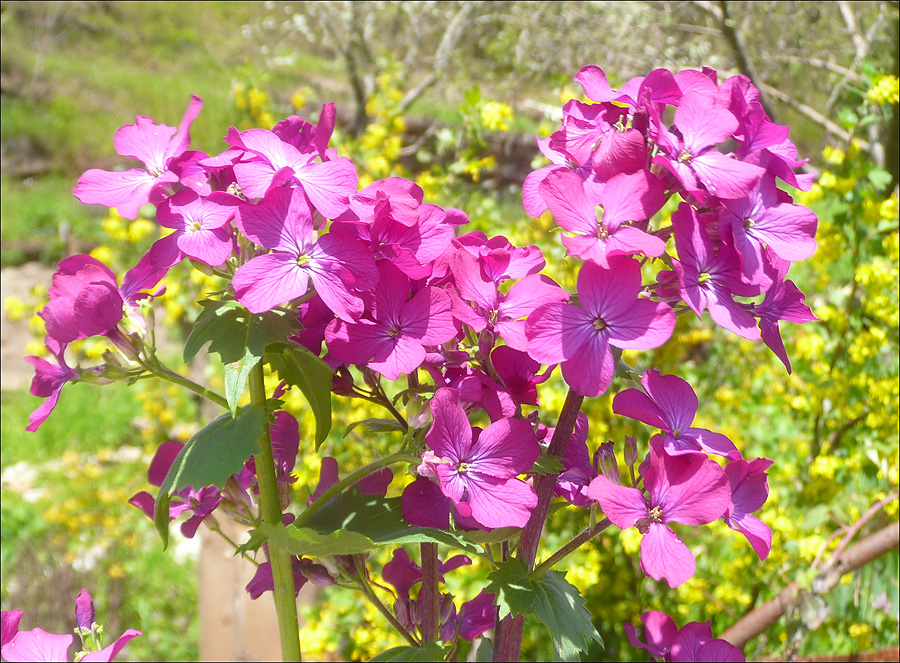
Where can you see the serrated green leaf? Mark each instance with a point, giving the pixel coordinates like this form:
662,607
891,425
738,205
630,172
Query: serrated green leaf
210,457
232,330
555,602
379,519
547,464
236,379
307,541
497,535
432,651
375,426
301,368
252,544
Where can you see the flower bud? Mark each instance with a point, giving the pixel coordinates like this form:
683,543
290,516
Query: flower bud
84,610
316,573
631,453
342,383
447,608
606,463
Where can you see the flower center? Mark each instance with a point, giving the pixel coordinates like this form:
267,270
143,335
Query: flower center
599,324
302,260
462,468
704,277
195,226
749,223
684,156
656,514
394,331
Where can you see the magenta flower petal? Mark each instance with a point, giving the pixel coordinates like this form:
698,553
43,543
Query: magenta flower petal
716,650
477,616
269,280
675,398
329,185
450,436
10,625
591,370
663,555
622,505
660,631
109,653
165,252
127,191
145,141
501,502
423,504
37,645
555,332
499,451
635,404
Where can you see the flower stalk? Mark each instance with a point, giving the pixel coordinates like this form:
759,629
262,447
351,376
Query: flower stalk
270,509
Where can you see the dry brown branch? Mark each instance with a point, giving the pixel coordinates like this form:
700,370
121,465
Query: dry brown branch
758,620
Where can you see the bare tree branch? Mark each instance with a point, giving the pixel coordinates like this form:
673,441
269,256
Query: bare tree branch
822,64
815,116
448,43
735,39
761,618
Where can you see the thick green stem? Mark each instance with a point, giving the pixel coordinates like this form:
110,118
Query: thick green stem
270,509
429,592
349,480
508,644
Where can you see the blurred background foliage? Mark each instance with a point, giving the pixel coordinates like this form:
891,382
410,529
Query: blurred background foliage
404,77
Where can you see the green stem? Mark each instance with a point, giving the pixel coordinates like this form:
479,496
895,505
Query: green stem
571,546
270,510
351,479
161,371
369,593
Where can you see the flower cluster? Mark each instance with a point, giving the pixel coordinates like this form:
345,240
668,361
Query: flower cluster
390,284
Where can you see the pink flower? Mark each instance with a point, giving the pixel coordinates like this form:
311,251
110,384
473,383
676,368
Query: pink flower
48,382
200,228
749,491
671,405
627,202
682,489
694,642
611,314
157,146
339,266
394,342
479,472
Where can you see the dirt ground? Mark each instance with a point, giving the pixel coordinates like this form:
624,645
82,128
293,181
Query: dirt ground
15,372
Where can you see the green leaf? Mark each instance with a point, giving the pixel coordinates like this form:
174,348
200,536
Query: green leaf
879,177
210,457
547,464
473,95
549,597
375,426
232,330
379,519
252,544
301,368
432,651
236,379
307,541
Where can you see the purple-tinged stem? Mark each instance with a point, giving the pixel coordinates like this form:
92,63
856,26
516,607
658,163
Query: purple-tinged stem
508,638
430,597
